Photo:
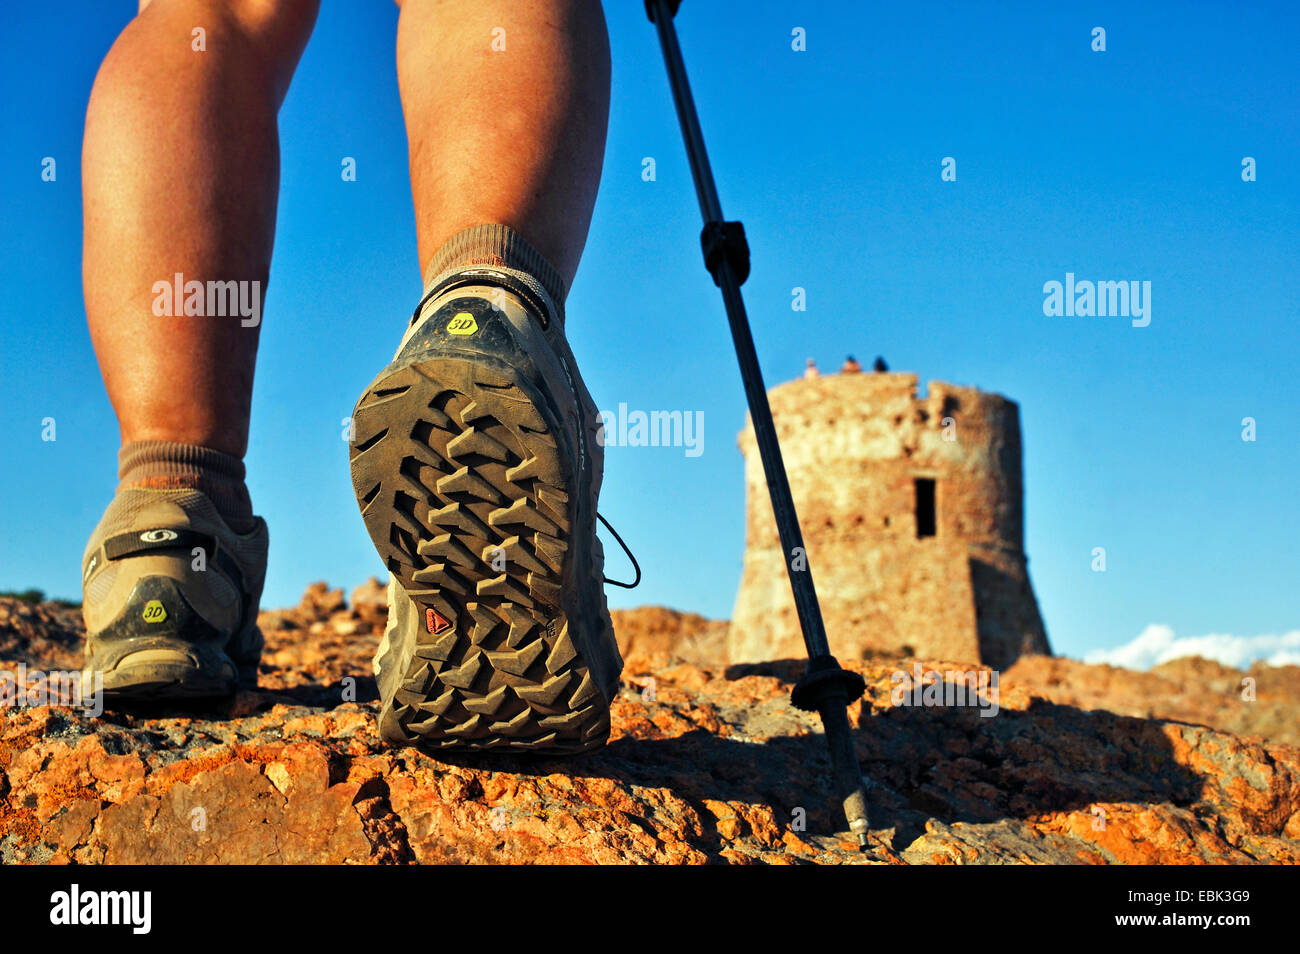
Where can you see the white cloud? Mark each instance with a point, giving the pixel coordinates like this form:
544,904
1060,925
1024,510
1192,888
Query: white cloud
1157,644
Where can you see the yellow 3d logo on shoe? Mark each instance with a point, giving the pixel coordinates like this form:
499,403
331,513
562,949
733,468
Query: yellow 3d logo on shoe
154,612
462,323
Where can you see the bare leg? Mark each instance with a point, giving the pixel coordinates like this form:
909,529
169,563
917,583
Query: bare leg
512,136
181,170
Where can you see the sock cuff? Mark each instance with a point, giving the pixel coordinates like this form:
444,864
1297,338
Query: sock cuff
166,465
141,459
497,245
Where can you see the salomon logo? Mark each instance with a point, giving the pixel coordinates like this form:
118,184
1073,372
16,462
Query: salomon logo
158,536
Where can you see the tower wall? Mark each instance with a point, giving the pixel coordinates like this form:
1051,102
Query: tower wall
855,446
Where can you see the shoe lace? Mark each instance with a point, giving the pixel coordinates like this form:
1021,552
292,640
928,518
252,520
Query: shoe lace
636,566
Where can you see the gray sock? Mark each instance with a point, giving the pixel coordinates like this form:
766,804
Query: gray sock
164,465
501,246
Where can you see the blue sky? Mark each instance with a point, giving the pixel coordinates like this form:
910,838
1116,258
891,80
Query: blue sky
1117,165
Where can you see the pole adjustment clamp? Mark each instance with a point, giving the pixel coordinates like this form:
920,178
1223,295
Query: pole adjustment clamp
725,241
672,6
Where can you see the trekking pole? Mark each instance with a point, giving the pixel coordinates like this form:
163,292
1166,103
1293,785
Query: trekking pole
825,687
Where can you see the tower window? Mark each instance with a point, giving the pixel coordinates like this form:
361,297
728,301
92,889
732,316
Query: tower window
925,522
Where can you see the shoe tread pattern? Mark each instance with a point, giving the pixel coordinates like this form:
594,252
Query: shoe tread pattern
454,464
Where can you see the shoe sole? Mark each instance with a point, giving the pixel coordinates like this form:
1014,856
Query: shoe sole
170,674
466,495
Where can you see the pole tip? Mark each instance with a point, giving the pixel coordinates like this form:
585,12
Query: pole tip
855,809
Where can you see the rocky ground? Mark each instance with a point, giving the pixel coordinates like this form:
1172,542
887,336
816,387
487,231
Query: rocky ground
708,763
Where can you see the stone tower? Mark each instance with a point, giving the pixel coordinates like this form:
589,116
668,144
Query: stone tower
912,515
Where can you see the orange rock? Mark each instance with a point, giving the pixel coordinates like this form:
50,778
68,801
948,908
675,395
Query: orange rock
716,768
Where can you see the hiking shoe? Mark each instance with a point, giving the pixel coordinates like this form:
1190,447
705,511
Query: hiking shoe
170,597
477,469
